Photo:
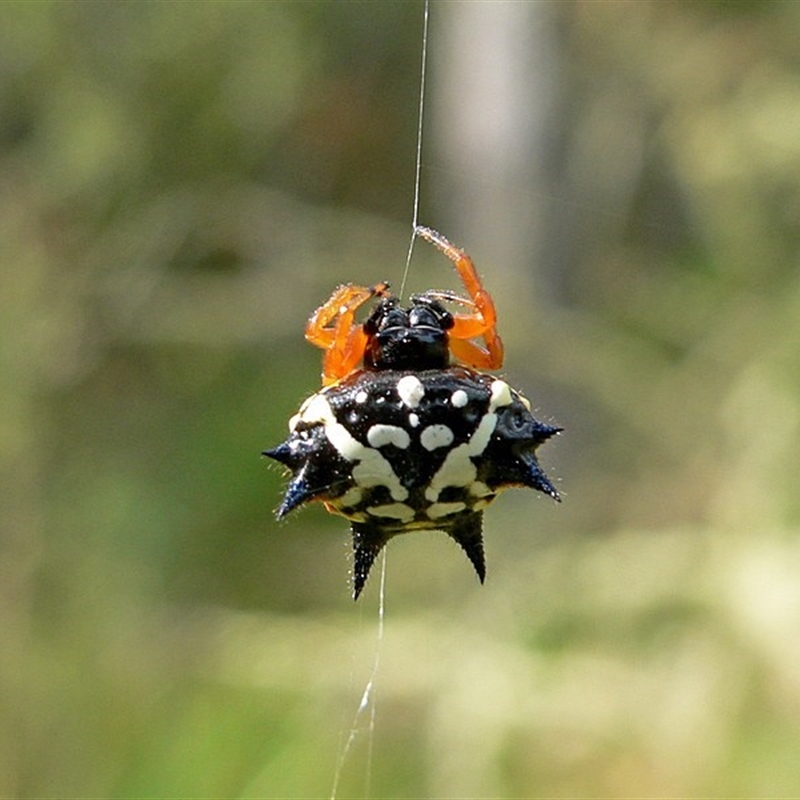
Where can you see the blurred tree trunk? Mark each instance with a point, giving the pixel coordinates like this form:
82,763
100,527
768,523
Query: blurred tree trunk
492,80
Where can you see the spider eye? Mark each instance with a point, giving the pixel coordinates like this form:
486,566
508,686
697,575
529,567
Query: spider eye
430,313
419,315
394,318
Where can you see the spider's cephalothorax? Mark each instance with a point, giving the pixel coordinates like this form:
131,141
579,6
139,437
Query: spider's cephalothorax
398,439
412,338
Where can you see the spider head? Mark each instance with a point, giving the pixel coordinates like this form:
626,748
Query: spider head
413,338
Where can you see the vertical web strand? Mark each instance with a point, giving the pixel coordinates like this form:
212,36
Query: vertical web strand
367,699
368,695
373,705
418,165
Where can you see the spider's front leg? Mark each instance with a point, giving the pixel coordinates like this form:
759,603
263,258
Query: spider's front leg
481,322
332,327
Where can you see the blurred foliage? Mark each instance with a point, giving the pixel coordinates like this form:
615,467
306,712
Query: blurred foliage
182,184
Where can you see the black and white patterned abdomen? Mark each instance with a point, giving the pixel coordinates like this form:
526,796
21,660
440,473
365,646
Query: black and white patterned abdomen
402,451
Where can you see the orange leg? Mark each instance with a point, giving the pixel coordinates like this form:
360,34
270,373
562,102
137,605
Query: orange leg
481,321
332,327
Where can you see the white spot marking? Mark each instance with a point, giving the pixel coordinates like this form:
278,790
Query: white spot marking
312,409
393,511
353,516
346,445
411,390
479,489
336,507
375,470
361,396
380,435
436,436
439,510
459,398
501,395
458,469
372,468
315,409
352,497
413,420
524,400
479,505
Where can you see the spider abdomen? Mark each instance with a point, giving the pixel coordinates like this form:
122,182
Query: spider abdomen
397,451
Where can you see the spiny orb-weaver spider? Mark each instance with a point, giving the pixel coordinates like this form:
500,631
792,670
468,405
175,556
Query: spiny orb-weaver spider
401,439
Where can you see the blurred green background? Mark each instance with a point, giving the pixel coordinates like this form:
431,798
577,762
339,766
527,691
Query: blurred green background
182,183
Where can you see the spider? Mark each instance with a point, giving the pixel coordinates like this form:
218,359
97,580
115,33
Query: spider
408,432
